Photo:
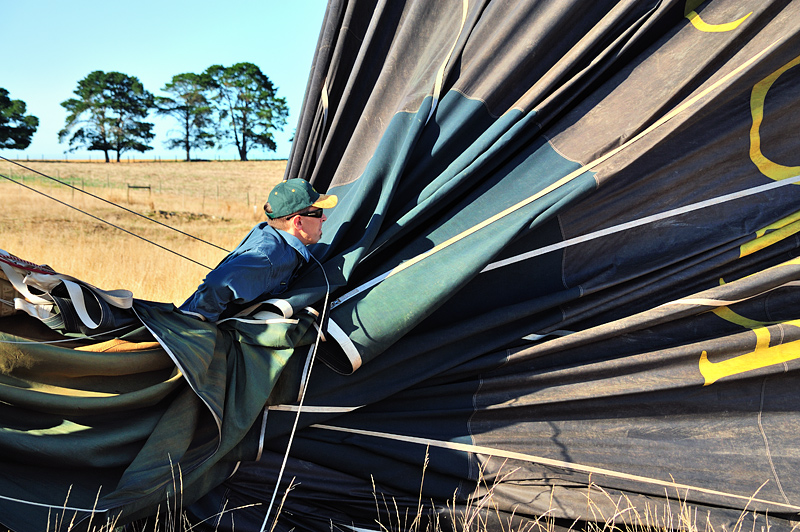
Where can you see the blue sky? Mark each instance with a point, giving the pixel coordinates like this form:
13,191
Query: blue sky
56,43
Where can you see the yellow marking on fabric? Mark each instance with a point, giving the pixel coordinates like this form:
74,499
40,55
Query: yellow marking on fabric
580,171
769,168
437,85
767,239
699,24
325,103
783,228
690,13
730,316
48,389
722,302
324,97
783,222
762,356
500,453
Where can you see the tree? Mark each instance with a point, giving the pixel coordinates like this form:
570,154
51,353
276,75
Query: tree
247,106
16,128
109,114
192,109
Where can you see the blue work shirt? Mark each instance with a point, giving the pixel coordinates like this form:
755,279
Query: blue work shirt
261,266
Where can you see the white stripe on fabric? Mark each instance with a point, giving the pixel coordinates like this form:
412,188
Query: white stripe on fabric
537,337
302,397
369,284
256,321
306,370
641,221
491,451
316,409
261,435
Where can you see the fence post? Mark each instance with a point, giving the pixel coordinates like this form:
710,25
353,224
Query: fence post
139,187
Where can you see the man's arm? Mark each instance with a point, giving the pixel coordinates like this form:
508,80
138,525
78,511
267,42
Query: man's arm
242,279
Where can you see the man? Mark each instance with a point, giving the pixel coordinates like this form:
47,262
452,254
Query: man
264,263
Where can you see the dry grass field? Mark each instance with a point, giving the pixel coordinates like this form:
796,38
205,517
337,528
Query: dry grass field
216,201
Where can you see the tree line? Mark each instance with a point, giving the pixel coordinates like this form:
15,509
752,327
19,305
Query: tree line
236,105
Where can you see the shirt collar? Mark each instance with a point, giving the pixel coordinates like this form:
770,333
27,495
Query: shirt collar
296,244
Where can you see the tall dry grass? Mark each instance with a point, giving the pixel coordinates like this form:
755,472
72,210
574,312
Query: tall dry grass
605,512
215,201
228,180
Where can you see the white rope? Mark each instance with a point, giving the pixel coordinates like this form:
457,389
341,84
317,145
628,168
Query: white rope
303,388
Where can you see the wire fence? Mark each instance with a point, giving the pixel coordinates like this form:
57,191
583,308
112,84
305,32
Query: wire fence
239,182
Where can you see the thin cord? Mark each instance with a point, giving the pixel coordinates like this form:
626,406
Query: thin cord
110,203
85,337
766,441
304,386
54,507
106,222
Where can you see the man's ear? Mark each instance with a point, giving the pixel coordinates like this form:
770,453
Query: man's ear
297,222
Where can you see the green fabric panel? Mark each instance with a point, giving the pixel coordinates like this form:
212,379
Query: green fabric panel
172,432
238,377
380,316
49,361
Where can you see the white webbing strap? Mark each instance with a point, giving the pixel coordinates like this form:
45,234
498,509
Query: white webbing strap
280,304
119,298
79,303
17,279
347,345
41,311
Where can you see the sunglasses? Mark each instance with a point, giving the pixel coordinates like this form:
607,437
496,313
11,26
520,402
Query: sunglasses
311,214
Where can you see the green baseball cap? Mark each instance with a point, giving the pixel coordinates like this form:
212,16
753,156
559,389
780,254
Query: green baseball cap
294,195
